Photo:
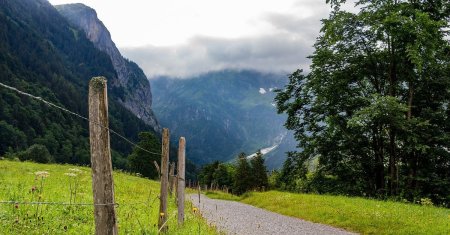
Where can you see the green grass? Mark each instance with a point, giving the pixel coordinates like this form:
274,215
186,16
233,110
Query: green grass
354,214
137,197
222,195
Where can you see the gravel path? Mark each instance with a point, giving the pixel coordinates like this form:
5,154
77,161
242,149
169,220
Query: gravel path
239,218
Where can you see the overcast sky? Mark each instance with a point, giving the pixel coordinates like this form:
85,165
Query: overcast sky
186,37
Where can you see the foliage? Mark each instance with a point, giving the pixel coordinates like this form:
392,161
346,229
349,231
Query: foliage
373,112
142,161
365,216
217,174
259,172
274,179
241,177
244,177
36,153
137,197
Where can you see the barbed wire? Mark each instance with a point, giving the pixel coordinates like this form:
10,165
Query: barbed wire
58,203
76,204
77,115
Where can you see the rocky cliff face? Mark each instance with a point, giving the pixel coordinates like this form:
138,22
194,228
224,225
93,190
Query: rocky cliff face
131,82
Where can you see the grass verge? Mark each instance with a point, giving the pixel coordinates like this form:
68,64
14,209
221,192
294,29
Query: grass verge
137,212
361,215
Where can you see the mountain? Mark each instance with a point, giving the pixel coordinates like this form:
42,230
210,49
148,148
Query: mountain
136,93
45,55
224,113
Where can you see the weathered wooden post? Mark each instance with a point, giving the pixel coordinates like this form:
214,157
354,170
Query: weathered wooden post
164,181
175,186
102,178
181,181
157,169
171,177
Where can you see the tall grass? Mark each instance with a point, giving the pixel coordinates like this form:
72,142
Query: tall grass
137,199
354,214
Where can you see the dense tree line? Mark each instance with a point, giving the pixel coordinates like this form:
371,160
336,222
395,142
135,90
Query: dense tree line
372,117
243,176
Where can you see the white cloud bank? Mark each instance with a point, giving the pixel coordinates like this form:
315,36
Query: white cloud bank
181,38
283,47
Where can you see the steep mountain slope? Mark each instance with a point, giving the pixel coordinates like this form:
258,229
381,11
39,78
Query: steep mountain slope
131,80
223,113
41,53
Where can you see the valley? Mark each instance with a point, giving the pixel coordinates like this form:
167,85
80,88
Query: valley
224,113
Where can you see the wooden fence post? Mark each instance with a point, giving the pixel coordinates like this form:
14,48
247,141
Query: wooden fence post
171,177
181,181
164,181
102,178
157,169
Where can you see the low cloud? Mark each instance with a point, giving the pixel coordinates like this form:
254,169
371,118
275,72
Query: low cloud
283,48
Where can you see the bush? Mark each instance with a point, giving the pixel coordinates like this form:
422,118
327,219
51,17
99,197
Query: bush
36,153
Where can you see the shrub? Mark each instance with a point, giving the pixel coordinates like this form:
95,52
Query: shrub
36,153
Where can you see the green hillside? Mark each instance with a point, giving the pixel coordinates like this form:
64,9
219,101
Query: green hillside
137,198
360,215
42,54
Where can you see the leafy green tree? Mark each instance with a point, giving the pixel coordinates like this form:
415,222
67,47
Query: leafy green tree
206,175
374,108
217,173
243,179
223,175
274,179
140,160
259,172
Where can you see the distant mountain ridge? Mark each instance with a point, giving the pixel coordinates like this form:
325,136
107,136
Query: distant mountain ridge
131,81
224,113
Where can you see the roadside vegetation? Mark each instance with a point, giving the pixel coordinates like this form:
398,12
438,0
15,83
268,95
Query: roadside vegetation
137,199
238,177
354,214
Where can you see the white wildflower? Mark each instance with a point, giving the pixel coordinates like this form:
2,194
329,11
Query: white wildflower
70,174
43,174
76,170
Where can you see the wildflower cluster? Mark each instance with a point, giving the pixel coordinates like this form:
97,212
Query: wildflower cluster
42,174
73,182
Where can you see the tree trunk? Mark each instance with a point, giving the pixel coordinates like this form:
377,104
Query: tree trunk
379,164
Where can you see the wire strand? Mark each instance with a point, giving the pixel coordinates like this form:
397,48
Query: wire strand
58,203
77,115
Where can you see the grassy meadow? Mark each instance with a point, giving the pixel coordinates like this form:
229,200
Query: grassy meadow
137,198
351,213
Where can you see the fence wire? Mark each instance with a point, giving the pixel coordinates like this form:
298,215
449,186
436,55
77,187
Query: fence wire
50,104
59,203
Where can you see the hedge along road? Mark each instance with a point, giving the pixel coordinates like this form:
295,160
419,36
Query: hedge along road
233,217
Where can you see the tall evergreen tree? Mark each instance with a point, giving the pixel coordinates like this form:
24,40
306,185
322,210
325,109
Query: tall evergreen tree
374,108
259,172
243,177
